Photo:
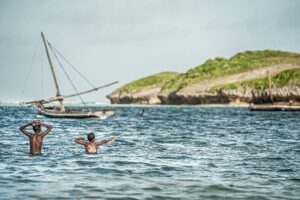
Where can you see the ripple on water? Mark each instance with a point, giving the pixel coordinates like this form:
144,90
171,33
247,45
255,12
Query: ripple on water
186,152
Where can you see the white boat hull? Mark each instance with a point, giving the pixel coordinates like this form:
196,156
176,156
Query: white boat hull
56,113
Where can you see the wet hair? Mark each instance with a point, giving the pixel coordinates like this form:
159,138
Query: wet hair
91,136
36,128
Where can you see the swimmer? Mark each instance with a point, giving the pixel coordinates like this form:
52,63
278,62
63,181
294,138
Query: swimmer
142,113
92,146
36,139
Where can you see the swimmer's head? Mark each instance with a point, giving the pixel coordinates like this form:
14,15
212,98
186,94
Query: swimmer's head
91,136
36,125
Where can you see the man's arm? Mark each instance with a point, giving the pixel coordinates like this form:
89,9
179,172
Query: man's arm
80,141
105,141
49,127
23,130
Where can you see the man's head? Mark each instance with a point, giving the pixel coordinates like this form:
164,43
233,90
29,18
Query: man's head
36,125
91,136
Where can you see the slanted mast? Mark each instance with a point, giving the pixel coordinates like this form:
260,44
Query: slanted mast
58,94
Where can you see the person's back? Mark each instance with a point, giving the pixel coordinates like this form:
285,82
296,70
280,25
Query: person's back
36,143
36,139
91,147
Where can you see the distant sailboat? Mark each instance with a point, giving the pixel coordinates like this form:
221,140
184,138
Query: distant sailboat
61,111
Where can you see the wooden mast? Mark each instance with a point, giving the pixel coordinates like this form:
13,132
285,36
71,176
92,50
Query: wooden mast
58,94
270,87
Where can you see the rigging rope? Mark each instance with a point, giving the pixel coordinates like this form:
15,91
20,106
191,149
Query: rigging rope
31,65
61,65
74,68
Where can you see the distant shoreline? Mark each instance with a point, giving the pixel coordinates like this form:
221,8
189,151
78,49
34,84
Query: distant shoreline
13,103
136,105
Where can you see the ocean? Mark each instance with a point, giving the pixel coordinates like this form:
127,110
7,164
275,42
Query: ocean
172,152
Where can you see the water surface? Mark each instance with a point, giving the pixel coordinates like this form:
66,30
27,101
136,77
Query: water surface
170,153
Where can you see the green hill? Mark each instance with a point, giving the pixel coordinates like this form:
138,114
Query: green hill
289,77
219,67
244,72
156,80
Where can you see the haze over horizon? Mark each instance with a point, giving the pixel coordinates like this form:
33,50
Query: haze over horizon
126,40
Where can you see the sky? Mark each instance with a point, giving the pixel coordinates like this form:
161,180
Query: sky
124,40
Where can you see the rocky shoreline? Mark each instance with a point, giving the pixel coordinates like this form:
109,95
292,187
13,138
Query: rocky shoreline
224,97
147,96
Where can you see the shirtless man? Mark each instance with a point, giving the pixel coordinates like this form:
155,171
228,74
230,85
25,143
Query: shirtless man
92,146
36,139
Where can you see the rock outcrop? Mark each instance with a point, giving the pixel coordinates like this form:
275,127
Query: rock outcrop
227,96
146,96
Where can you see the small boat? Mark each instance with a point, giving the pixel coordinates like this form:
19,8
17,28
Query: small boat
274,108
61,111
72,113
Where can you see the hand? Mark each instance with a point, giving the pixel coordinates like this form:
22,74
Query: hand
113,138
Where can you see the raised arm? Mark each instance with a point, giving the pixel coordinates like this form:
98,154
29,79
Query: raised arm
105,141
49,127
80,141
23,130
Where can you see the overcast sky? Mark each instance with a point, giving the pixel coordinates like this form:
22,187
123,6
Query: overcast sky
109,40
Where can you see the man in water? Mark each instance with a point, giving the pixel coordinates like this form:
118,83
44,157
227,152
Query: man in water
36,139
142,113
92,146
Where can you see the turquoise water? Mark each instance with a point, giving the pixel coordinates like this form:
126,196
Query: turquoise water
170,153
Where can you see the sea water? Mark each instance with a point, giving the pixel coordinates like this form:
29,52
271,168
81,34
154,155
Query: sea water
170,153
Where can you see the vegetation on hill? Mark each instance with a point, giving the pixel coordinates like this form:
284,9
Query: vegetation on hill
219,67
148,82
286,78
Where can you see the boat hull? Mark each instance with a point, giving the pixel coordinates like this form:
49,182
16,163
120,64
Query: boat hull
274,108
78,114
